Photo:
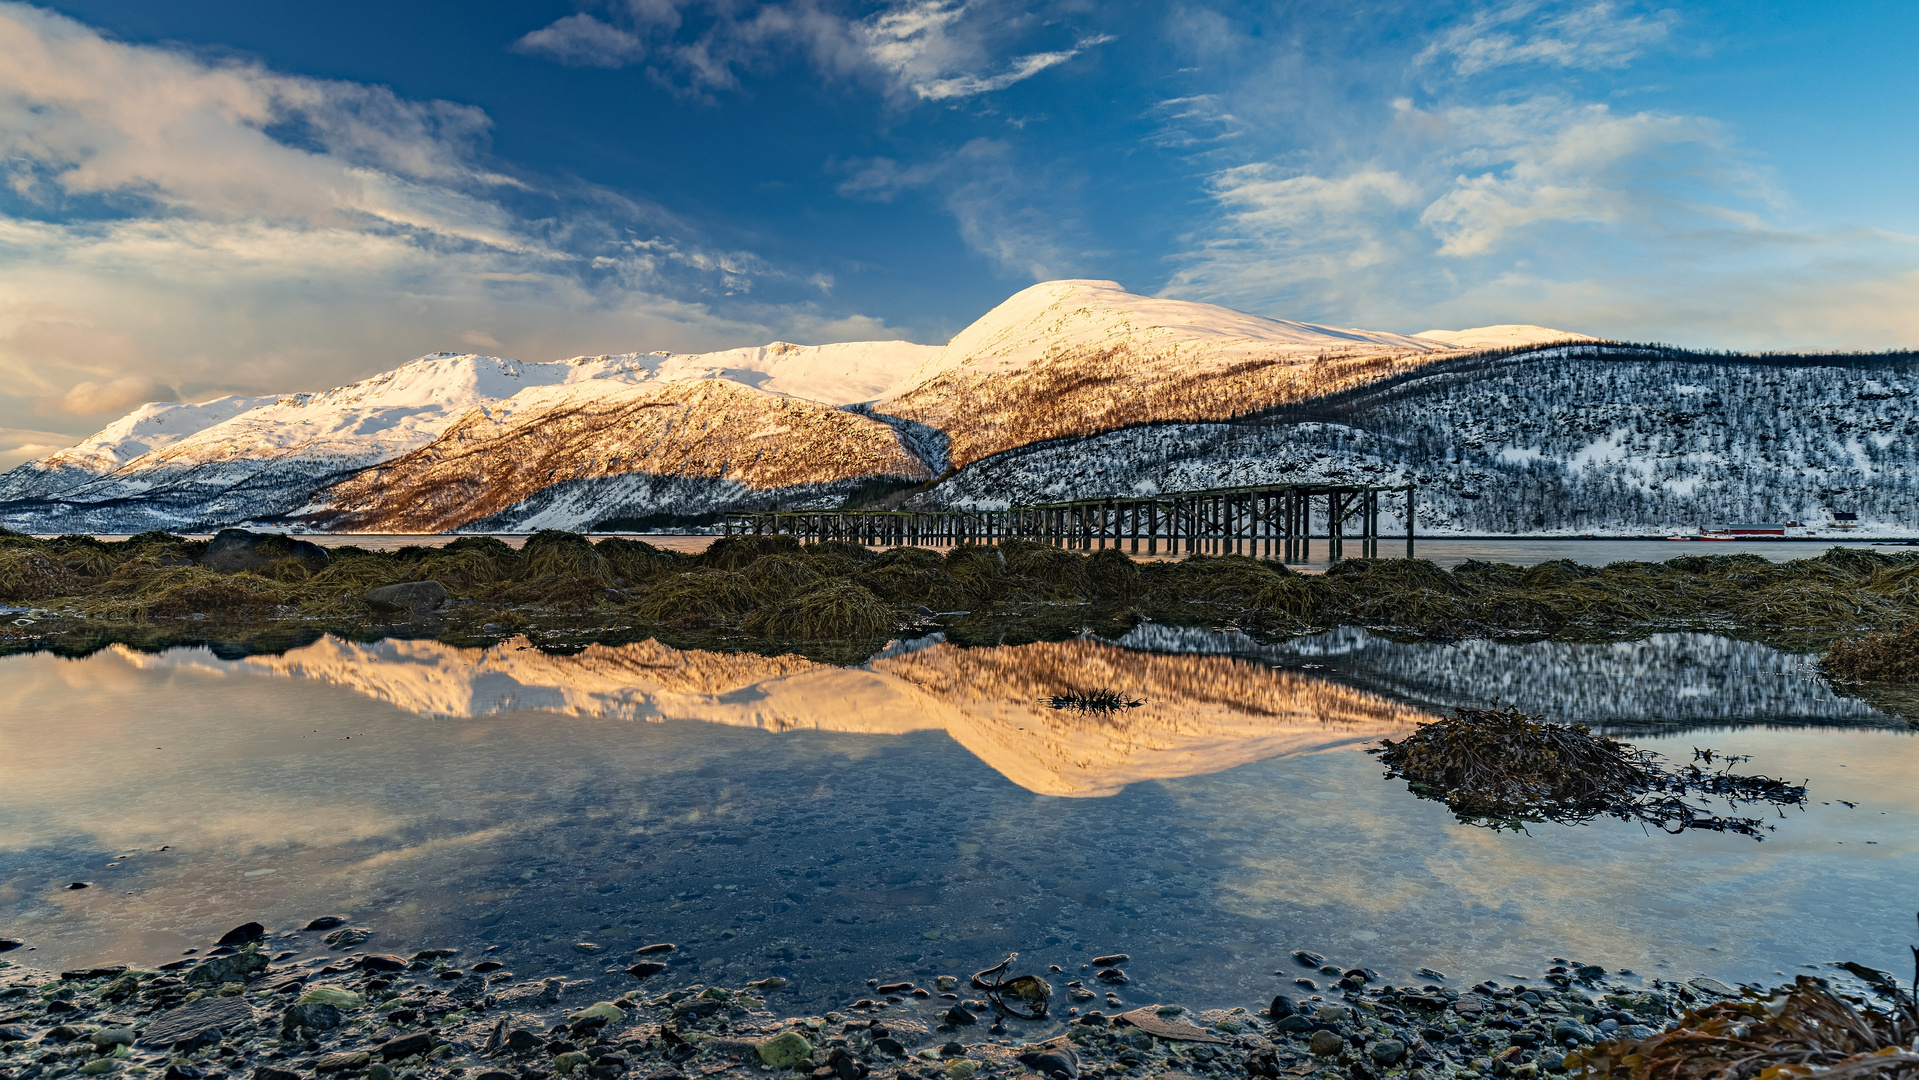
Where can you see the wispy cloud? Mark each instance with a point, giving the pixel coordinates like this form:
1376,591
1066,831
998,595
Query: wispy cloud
584,41
1516,211
1012,211
924,50
247,230
1590,36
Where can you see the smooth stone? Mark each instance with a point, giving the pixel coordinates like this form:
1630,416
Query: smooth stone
334,996
588,947
242,934
961,1069
347,937
325,922
1113,960
1388,1051
235,550
417,599
657,947
8,944
1053,1062
646,969
343,1060
382,962
315,1016
784,1051
569,1061
1292,1023
112,1036
379,1071
406,1046
1326,1043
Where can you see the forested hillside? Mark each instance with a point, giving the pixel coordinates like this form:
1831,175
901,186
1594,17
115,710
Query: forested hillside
1571,439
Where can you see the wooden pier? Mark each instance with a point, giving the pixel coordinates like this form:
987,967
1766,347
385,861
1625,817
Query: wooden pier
1277,521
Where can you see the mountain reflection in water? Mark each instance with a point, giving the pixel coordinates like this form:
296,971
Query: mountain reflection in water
889,821
1201,714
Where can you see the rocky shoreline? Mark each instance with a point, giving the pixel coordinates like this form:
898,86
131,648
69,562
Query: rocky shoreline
310,1004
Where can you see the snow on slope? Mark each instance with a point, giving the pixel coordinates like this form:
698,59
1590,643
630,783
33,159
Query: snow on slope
1068,358
567,457
141,431
1506,336
234,459
1061,359
1558,442
842,374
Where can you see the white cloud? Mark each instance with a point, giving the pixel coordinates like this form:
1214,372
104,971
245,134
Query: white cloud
1640,225
584,41
925,50
250,231
1547,161
1281,236
1590,36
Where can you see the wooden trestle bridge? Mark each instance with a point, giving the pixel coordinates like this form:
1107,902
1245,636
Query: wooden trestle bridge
1277,521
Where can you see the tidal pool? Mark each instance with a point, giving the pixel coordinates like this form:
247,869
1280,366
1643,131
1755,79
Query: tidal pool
926,813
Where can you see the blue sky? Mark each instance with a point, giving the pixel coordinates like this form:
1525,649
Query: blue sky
218,197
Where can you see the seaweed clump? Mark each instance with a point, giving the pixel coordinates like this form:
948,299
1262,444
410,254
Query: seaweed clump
1502,768
1892,656
1795,1034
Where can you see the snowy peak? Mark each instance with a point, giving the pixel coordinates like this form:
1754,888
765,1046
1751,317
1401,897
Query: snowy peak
841,374
1056,316
148,428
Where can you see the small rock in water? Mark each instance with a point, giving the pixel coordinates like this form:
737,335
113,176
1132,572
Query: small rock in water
1326,1043
646,969
9,944
588,947
1309,959
1712,986
657,947
325,922
1281,1007
80,885
382,962
242,934
958,1016
347,937
1307,983
1114,960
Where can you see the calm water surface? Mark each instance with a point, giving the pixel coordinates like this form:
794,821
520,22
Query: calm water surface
925,813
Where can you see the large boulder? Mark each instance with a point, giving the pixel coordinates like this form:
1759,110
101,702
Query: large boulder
415,599
235,550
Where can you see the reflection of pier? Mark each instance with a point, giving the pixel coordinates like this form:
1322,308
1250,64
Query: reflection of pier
1277,521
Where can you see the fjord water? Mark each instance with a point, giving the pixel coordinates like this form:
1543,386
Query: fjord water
926,812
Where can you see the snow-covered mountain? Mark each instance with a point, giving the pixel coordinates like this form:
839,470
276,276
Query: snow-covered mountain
1068,358
569,456
175,466
477,442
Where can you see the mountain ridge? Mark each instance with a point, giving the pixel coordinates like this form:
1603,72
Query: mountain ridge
1058,359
